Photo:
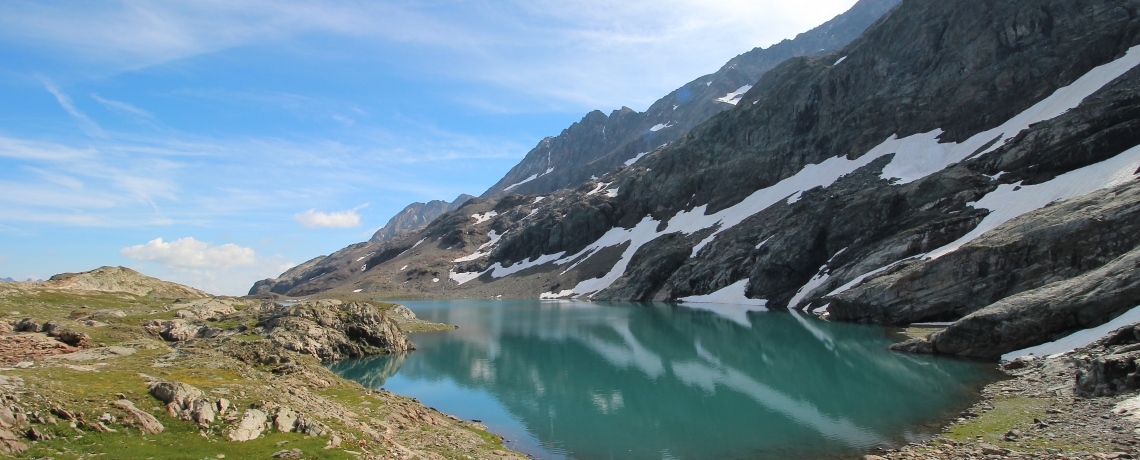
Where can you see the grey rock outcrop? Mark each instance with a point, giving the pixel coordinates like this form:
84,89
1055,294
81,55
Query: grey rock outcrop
1053,244
175,330
204,309
185,401
1111,365
1043,314
252,424
333,330
147,422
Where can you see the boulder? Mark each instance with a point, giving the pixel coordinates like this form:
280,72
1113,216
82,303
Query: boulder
252,423
175,330
27,325
333,330
185,401
285,420
9,443
205,309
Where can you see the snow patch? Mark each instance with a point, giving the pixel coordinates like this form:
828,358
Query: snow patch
660,126
435,280
480,253
734,97
539,198
612,193
405,267
758,246
1077,339
914,157
413,247
480,218
598,188
633,160
532,177
729,302
357,290
844,58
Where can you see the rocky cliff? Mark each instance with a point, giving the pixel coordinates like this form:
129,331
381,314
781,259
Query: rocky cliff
954,157
599,143
416,215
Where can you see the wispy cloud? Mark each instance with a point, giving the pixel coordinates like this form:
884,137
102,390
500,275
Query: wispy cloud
338,219
80,118
122,107
583,54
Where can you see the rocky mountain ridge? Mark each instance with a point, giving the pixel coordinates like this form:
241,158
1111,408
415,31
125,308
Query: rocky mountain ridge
600,143
416,215
886,170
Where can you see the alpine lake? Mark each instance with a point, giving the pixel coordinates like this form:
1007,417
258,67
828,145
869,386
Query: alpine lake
597,380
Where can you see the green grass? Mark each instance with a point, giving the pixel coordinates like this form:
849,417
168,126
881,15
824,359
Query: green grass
180,440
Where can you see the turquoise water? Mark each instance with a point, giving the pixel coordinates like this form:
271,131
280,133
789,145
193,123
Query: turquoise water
658,381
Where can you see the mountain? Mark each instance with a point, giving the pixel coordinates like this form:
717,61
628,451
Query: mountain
8,280
116,279
968,161
416,215
599,143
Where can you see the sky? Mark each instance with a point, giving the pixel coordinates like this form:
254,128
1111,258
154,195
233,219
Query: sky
216,143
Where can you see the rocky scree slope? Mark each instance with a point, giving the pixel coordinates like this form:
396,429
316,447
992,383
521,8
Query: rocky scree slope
937,165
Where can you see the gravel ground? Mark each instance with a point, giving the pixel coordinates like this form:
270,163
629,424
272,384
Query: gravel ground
1038,413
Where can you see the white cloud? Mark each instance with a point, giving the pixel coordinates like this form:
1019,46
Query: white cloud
192,254
64,100
590,53
338,219
122,106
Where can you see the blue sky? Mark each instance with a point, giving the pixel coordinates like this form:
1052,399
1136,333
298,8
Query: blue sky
215,143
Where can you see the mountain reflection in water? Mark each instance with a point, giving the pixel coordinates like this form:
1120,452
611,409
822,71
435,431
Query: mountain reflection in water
618,380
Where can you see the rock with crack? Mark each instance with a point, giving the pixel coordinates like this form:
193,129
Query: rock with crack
184,401
1039,315
175,330
333,330
204,309
10,444
252,423
285,420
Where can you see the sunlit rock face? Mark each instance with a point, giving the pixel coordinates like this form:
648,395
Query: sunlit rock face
893,180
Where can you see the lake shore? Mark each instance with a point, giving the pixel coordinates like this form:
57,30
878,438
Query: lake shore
88,373
1059,407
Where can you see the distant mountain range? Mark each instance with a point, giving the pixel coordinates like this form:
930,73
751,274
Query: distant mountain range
970,162
416,215
598,143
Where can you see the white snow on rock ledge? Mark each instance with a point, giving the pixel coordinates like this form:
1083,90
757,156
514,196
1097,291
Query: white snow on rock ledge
480,218
1077,339
660,126
915,157
728,302
734,97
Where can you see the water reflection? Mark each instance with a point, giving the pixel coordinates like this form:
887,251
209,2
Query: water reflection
589,380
